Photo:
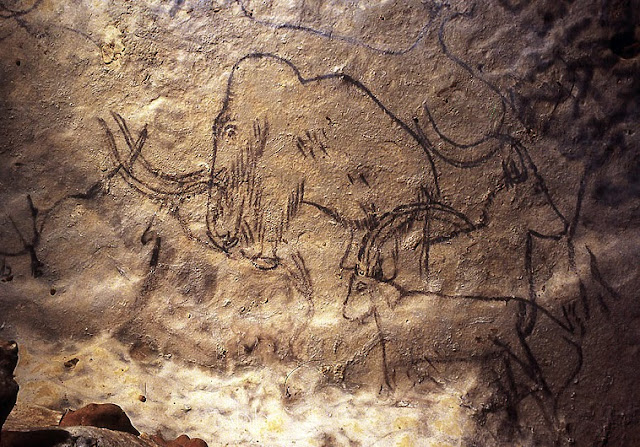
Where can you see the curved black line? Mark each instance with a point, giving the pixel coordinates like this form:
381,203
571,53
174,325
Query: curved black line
17,13
576,370
221,119
462,163
124,167
350,40
405,293
95,42
136,153
503,105
13,254
522,151
375,240
465,65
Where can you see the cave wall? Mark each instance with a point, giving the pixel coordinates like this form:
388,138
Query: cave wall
414,202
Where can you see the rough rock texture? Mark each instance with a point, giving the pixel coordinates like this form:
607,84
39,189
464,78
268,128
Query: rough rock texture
89,436
418,218
8,385
73,437
113,427
25,416
108,416
180,441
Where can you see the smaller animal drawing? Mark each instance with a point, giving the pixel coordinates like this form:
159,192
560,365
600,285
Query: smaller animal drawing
519,205
425,336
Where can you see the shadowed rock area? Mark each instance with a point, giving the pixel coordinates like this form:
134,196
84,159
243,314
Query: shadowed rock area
8,386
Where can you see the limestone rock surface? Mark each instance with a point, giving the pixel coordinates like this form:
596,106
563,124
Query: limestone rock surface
326,222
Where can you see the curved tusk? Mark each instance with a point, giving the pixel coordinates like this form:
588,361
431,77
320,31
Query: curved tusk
139,173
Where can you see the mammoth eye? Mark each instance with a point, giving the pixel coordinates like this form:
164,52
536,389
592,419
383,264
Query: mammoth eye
230,130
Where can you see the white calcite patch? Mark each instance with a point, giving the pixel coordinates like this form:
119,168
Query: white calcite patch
246,408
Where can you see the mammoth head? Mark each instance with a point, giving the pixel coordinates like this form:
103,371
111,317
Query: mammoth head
235,190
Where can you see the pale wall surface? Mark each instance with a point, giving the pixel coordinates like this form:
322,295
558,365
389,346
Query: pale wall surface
326,222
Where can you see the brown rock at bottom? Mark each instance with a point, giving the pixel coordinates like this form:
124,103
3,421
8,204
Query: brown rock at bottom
25,416
108,416
72,437
8,385
180,441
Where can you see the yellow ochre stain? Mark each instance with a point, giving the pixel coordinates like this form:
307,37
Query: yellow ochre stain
406,441
356,428
449,424
449,427
275,425
404,422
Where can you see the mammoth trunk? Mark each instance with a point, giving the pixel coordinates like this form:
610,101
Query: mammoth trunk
248,210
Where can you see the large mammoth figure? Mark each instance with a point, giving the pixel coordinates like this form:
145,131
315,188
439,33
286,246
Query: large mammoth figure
283,142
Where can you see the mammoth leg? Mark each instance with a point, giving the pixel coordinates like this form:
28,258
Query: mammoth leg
263,252
350,257
527,315
366,299
271,217
425,246
388,379
378,256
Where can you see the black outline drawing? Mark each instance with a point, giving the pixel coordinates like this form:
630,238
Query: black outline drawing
378,228
514,351
7,13
29,245
384,50
374,262
381,229
18,16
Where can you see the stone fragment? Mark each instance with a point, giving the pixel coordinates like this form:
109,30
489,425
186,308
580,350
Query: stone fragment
71,363
180,441
8,385
73,437
108,416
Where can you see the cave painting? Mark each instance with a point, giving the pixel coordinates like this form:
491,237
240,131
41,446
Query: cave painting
411,194
342,152
271,161
385,28
286,146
